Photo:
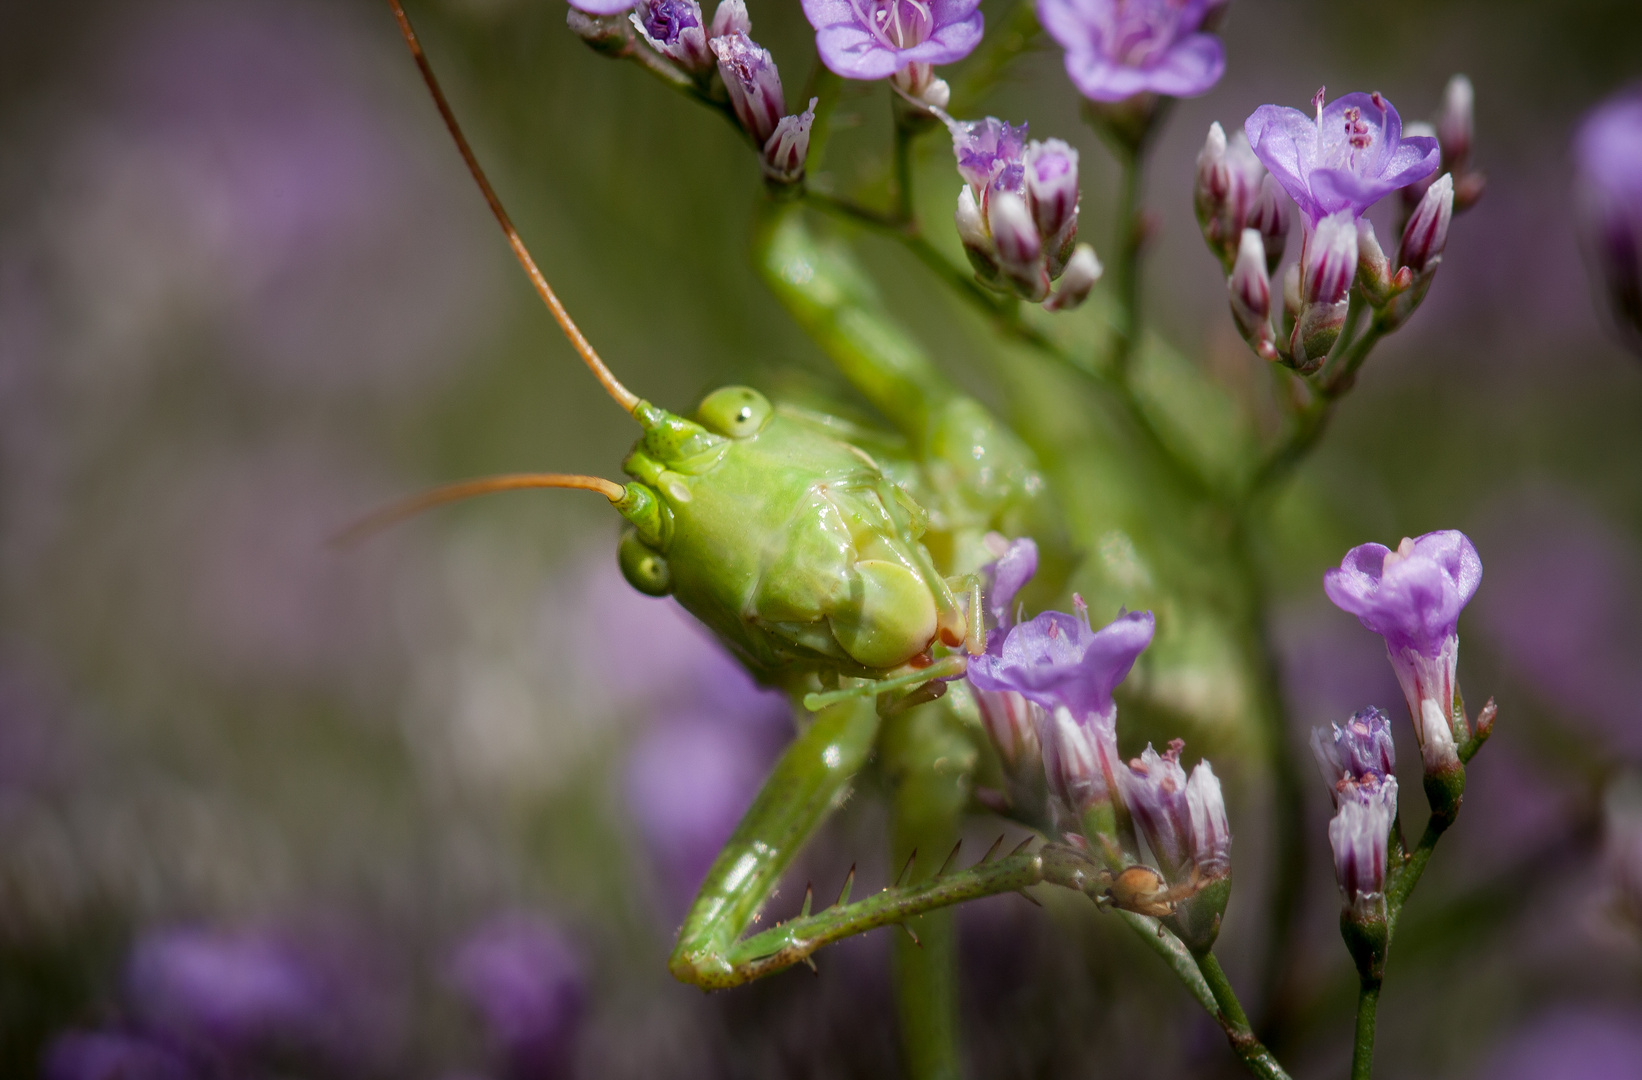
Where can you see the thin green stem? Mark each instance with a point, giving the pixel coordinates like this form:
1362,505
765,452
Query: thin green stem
1235,1022
1176,955
1362,1046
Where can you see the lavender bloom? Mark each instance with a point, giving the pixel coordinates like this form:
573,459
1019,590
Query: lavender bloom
1116,49
1608,155
990,153
753,83
676,30
525,981
1359,835
1011,721
1069,669
1183,820
789,145
1359,748
109,1055
1349,157
874,39
1412,597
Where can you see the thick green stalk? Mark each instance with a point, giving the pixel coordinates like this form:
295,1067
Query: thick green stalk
1362,1046
1235,1022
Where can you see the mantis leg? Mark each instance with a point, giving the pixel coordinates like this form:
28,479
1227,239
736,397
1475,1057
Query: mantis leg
929,761
809,780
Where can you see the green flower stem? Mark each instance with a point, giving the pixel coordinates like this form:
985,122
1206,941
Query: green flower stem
1126,267
1235,1022
1176,955
1362,1046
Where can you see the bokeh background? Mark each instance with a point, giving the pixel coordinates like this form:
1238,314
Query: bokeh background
433,807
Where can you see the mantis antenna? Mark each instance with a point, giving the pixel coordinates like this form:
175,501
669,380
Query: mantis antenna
624,397
466,489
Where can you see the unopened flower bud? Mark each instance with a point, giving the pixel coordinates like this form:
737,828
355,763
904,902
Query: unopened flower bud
753,83
1052,193
1213,178
1073,760
1183,822
1608,205
1359,835
1454,124
1359,748
1083,269
1250,289
730,17
608,34
918,84
1427,230
972,231
1374,274
787,148
1017,245
1226,191
1328,264
676,30
1269,215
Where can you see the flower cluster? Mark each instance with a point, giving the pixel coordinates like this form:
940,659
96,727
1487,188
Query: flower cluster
1334,165
1608,152
1018,213
1183,820
1357,760
1412,597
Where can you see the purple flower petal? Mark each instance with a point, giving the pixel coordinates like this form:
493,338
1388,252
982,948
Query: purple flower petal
1116,49
1411,597
1191,68
603,7
1058,661
1282,139
874,39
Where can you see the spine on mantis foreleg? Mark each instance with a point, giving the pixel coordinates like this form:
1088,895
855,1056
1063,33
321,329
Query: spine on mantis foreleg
809,780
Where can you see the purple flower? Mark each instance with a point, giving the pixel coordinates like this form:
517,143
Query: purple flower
788,146
525,981
1250,289
874,39
1608,154
990,154
1412,597
110,1055
1116,49
1359,835
1347,158
1183,820
753,83
1010,720
675,29
1058,662
1361,747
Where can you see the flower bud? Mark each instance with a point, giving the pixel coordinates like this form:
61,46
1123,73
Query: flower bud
1183,822
1269,215
972,231
1226,191
1328,264
1427,230
1361,747
1454,125
918,84
608,34
787,148
675,29
1250,290
1359,835
730,17
1083,269
1016,243
1052,191
1074,756
1213,179
753,83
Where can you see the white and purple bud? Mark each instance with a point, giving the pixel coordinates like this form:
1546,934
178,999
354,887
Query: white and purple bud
1454,125
784,154
753,83
1250,289
1083,269
1608,205
1052,195
1374,274
730,17
1269,215
1360,835
1016,243
972,231
1182,820
1226,192
918,84
676,30
1077,757
1427,232
1328,265
1359,749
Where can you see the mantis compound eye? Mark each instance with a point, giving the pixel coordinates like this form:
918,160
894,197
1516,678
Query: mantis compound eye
736,411
644,568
